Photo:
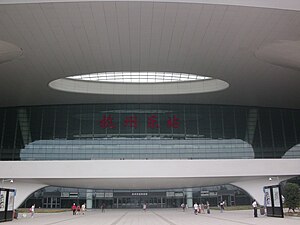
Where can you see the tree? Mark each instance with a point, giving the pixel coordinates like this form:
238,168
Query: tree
292,196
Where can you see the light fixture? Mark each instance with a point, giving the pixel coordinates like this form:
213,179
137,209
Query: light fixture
7,180
276,178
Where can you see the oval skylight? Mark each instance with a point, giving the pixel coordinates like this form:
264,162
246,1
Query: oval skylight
139,83
139,77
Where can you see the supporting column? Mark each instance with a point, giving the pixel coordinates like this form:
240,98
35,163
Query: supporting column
255,187
89,198
23,190
189,197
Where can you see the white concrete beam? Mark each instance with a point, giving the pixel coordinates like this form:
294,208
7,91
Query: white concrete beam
249,174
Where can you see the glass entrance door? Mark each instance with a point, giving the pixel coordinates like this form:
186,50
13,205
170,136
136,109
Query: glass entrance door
51,202
107,203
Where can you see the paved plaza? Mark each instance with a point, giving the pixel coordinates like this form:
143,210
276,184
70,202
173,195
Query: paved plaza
152,217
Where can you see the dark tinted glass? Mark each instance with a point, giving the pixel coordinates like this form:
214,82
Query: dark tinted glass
147,131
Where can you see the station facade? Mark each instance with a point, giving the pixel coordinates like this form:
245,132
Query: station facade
145,132
148,131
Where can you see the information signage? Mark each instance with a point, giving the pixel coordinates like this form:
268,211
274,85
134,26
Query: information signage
204,193
108,121
6,204
276,197
108,194
170,193
2,200
11,200
65,194
273,201
139,193
100,195
268,197
178,194
73,195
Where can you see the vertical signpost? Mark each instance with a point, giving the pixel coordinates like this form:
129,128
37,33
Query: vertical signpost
273,201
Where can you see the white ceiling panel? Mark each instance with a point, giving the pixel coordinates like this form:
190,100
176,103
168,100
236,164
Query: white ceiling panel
156,34
71,38
124,34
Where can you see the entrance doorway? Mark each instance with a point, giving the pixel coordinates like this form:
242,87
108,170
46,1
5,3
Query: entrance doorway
108,203
138,201
51,202
229,199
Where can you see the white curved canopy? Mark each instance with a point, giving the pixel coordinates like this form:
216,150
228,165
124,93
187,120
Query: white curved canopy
251,175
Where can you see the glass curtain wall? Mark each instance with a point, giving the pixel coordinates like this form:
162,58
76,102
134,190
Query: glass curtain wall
148,131
60,197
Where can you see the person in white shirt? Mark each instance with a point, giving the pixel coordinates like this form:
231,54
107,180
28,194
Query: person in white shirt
32,208
196,208
144,207
83,208
254,205
222,206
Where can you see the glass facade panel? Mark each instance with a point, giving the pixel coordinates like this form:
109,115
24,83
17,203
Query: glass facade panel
216,122
228,122
74,122
48,123
87,122
147,131
61,122
191,121
204,122
289,130
60,197
2,126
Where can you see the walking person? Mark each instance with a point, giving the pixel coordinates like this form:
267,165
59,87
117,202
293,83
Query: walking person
207,208
32,208
196,208
78,210
202,208
182,206
103,207
254,205
83,208
144,207
222,206
74,208
186,206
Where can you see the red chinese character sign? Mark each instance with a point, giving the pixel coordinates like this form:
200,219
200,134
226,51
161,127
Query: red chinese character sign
152,122
173,122
130,121
107,122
